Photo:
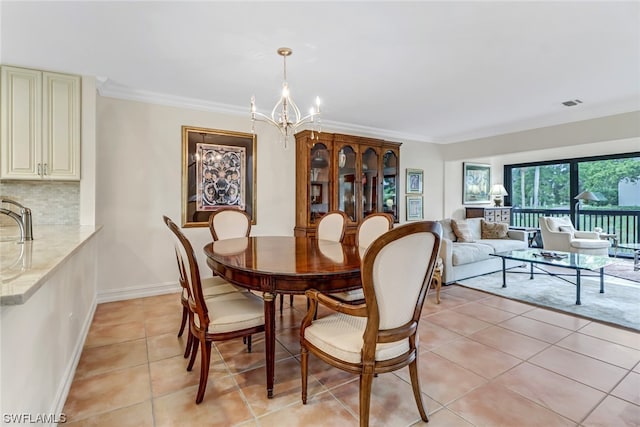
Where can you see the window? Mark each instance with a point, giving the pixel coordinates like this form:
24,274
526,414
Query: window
540,186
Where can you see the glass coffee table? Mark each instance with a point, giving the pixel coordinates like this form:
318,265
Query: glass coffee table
577,262
635,247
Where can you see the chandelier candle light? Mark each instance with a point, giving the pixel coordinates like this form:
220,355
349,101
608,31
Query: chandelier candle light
285,115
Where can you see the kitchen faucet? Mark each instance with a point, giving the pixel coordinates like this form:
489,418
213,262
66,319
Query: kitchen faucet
23,220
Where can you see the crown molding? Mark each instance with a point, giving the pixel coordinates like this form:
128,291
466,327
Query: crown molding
110,89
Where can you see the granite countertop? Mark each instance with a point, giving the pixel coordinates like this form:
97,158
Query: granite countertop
26,266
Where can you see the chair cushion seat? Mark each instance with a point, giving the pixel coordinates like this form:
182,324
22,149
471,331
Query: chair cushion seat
590,243
212,281
232,312
355,295
340,335
217,280
213,290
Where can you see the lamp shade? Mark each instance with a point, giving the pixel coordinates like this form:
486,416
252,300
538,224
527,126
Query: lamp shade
586,195
498,190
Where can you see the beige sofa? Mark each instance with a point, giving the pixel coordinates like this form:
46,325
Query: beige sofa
462,260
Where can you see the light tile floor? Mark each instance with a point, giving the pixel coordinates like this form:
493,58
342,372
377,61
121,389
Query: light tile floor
484,361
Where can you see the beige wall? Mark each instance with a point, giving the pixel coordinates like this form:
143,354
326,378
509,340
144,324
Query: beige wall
138,179
139,170
606,135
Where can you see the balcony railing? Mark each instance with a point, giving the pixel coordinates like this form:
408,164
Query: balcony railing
624,223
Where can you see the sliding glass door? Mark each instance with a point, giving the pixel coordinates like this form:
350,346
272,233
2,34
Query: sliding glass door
549,189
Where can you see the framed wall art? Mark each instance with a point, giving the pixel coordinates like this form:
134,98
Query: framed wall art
414,208
414,181
476,183
218,172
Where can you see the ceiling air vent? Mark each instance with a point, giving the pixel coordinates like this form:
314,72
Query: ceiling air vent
571,103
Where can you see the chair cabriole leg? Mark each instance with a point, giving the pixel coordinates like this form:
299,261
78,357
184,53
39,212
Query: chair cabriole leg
204,369
304,363
366,380
415,384
187,349
194,351
184,321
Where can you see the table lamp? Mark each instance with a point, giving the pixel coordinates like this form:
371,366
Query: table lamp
498,191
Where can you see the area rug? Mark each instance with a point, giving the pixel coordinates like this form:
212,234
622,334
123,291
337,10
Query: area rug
619,305
623,268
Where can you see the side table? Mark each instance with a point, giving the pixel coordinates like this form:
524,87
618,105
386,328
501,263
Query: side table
534,236
436,280
614,240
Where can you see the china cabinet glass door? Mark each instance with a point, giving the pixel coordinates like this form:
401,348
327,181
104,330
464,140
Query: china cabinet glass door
347,181
369,180
319,191
390,184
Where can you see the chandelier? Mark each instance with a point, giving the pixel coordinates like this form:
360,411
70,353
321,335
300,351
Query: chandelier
285,115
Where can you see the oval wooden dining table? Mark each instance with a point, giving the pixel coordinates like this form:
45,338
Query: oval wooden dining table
284,265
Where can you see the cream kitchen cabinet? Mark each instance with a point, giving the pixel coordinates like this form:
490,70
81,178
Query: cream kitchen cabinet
40,122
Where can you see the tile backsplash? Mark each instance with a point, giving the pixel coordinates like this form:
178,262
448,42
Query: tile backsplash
50,202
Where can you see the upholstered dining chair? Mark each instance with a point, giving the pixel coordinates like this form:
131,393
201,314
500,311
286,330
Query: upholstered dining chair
372,227
229,224
216,318
381,335
558,234
332,226
211,286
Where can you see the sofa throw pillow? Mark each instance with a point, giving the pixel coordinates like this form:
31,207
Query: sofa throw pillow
554,224
447,231
494,230
462,230
566,229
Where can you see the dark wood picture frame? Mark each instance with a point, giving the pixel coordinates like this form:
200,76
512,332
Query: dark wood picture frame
218,172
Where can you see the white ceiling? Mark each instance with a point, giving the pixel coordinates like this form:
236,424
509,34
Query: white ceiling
432,71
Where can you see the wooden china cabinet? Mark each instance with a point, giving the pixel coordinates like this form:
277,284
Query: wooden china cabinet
354,174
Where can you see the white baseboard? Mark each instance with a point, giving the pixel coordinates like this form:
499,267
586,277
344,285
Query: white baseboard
137,292
70,371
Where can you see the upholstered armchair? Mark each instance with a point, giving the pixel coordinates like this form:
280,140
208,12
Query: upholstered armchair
558,234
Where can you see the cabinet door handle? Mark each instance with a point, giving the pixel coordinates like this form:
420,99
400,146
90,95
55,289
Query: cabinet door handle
46,169
39,168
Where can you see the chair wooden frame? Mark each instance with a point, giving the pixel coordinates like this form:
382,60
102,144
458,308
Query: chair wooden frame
373,335
198,308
